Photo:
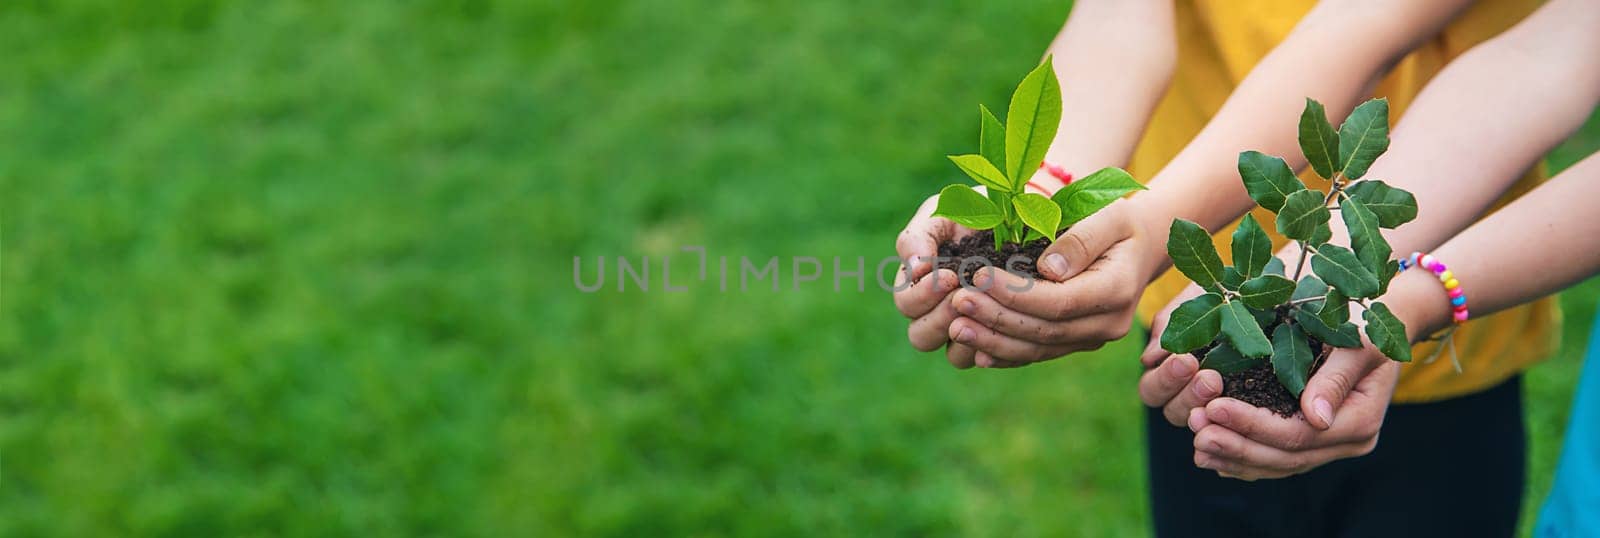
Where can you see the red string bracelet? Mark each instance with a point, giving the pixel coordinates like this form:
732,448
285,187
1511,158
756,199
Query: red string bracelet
1055,171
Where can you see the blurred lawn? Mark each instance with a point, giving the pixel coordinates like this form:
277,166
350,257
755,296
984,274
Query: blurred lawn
304,268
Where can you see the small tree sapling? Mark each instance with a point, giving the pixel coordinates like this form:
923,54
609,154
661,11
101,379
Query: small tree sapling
1008,154
1257,315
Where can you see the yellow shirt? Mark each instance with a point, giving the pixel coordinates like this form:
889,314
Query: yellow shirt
1219,41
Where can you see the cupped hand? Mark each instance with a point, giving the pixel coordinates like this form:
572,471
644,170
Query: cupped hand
926,301
1175,383
1094,274
1242,441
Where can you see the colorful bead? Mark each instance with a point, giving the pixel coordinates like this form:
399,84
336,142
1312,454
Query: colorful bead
1461,316
1428,261
1457,293
1458,301
1451,284
1446,275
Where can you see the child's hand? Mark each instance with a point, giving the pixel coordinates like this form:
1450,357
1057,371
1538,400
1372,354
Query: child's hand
1238,440
927,301
1175,383
1095,274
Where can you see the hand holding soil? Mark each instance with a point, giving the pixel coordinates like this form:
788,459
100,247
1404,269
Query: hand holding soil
1090,288
1238,440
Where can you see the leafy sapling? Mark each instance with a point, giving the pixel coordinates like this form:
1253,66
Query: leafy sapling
1256,314
1008,154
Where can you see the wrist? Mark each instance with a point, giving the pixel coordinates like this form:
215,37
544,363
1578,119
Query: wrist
1420,302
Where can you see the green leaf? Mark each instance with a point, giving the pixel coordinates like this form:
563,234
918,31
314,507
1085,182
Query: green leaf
991,138
1340,268
1343,335
1308,287
1226,360
1321,235
1268,179
1274,267
968,208
1317,140
1038,213
1264,317
1334,309
1363,137
1392,206
1387,332
1193,324
1192,253
1231,279
1240,329
1387,276
1291,358
1302,213
1266,291
979,169
1091,193
1370,246
1031,122
1251,247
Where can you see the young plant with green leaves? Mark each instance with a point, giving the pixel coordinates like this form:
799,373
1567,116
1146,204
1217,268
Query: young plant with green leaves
1008,154
1255,310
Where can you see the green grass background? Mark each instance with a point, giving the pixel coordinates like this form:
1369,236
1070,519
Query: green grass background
305,268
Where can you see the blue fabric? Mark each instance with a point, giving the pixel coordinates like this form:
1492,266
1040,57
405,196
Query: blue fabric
1573,508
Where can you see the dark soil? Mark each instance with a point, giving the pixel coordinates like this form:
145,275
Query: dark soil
977,250
1259,386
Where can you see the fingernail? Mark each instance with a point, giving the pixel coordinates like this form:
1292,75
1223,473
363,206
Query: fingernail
967,307
1183,367
1324,410
966,336
1056,263
1204,389
1202,461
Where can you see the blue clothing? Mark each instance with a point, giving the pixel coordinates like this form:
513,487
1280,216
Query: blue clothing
1573,508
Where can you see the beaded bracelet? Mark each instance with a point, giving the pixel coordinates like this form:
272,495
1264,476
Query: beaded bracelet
1458,298
1054,170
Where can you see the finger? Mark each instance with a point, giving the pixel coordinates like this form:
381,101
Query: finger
1197,419
919,241
1159,385
919,299
986,360
984,309
1154,354
1326,390
960,356
1265,427
932,330
1091,293
1083,243
969,332
1206,386
1238,455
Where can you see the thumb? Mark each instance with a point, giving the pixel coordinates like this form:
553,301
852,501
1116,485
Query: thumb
1332,383
1082,244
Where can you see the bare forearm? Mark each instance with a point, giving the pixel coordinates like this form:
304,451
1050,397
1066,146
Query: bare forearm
1545,241
1334,55
1114,59
1490,116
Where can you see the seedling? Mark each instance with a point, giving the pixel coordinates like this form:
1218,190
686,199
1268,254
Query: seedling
1253,298
1008,154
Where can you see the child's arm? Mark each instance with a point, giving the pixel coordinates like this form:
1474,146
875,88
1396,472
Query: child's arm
1334,54
1113,59
1486,118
